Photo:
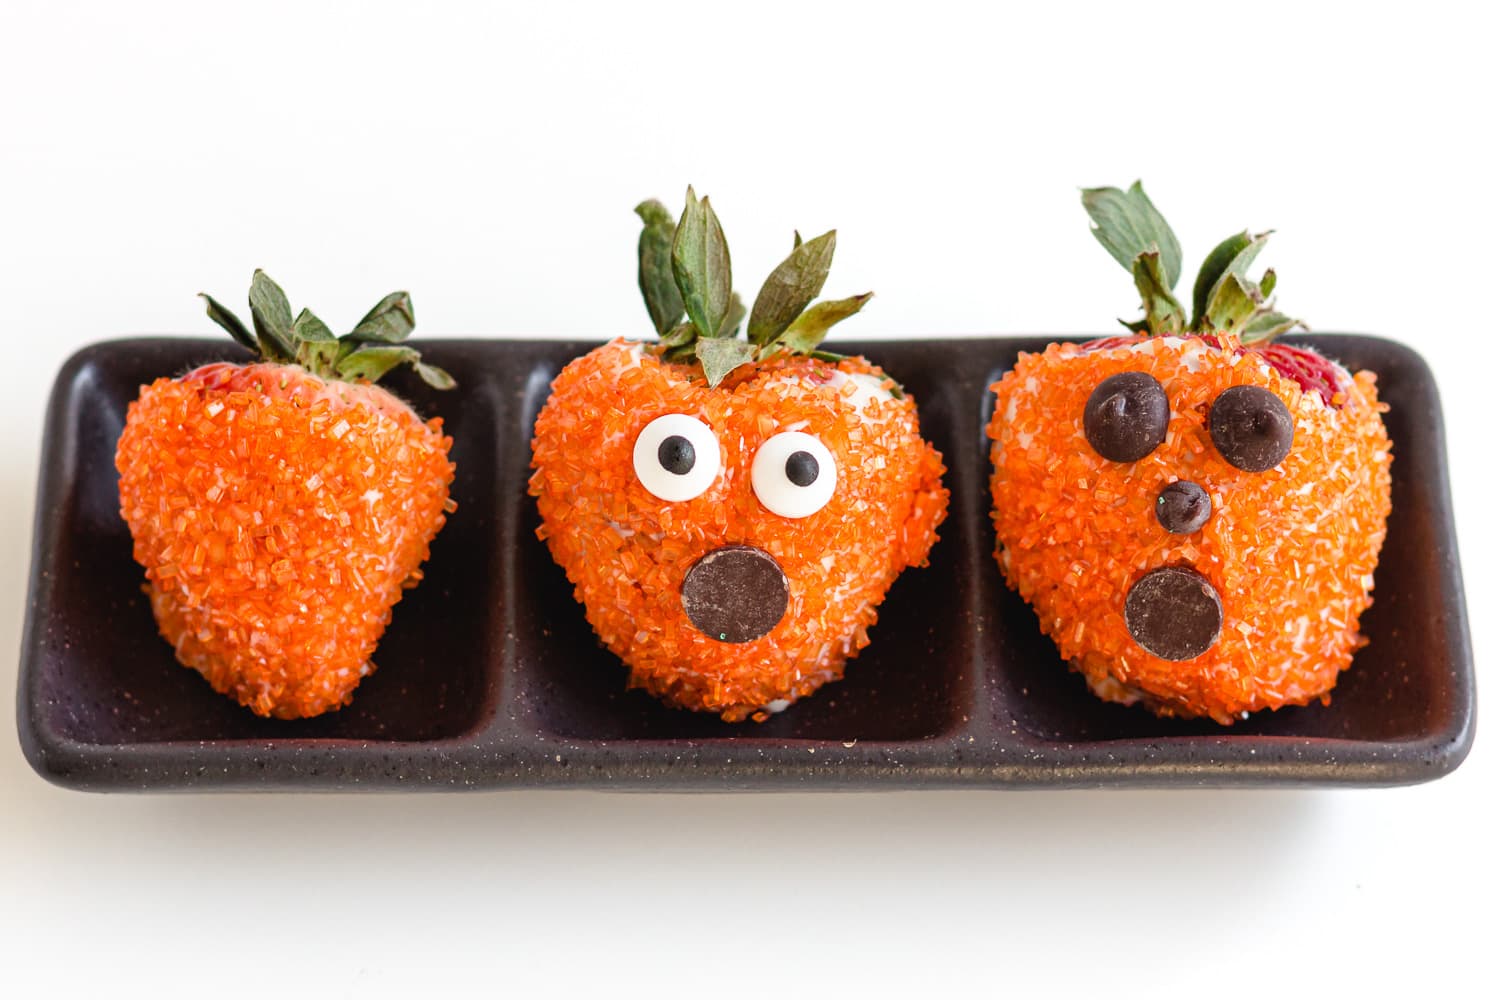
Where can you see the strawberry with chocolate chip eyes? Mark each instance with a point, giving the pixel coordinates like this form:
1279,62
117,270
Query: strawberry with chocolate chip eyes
1194,512
732,511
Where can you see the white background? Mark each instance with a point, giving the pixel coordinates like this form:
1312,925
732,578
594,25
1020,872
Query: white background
487,159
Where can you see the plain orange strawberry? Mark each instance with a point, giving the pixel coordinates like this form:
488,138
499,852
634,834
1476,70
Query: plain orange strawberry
281,507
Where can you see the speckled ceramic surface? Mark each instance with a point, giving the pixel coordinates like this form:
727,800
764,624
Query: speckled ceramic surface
490,677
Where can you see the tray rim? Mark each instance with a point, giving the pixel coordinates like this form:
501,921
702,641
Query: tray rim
87,766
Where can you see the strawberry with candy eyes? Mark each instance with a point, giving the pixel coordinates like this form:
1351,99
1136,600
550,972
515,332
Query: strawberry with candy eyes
731,511
1194,512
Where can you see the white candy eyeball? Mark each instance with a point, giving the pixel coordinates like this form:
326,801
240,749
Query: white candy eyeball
676,457
793,474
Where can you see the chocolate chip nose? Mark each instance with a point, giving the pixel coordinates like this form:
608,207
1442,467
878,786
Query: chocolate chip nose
1183,507
1174,613
735,594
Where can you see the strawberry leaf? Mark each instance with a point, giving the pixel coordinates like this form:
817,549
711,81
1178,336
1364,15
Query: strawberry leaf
700,265
734,317
654,271
373,361
807,331
1128,225
654,213
794,283
308,327
272,315
1236,254
679,335
389,322
433,375
1234,269
1233,302
1267,324
1163,311
317,348
684,353
230,322
721,355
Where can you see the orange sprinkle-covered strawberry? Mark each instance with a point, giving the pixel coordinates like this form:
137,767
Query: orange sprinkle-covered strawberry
280,508
731,512
1194,513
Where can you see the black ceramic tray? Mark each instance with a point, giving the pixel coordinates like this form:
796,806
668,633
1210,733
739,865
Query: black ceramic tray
490,677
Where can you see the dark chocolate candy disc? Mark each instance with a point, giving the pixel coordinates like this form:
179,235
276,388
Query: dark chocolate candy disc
1183,507
1251,427
737,593
1126,416
1174,613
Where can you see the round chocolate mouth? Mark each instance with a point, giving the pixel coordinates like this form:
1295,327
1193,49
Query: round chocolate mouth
736,593
1174,613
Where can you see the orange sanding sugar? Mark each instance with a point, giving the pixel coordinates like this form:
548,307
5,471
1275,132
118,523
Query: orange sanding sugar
279,517
626,551
1291,551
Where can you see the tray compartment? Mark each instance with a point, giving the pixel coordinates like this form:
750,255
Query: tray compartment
913,683
104,677
1401,687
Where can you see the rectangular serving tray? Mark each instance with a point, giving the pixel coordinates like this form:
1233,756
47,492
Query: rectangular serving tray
490,677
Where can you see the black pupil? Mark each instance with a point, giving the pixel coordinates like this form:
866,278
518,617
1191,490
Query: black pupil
801,468
676,455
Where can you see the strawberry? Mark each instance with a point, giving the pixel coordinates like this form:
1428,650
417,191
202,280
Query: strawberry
1194,511
281,507
732,511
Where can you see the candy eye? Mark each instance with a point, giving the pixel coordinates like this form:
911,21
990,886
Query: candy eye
1126,416
676,457
793,474
1251,427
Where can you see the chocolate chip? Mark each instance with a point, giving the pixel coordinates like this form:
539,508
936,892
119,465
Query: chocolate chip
1174,613
1251,427
735,594
801,468
676,455
1183,507
1126,416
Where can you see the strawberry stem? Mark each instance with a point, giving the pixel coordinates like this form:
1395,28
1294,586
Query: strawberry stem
685,269
366,353
1225,300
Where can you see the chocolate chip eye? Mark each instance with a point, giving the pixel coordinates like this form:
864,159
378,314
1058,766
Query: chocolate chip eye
1126,416
1251,427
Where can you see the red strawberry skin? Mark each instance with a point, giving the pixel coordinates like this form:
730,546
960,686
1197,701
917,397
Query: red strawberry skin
1310,370
279,516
